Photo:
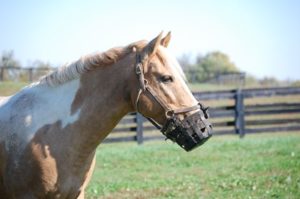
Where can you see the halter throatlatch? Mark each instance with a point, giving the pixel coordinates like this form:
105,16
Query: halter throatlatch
190,132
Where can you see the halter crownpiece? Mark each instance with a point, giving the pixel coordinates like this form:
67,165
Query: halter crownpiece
190,132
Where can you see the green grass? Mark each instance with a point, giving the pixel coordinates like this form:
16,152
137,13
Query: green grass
9,88
258,166
197,87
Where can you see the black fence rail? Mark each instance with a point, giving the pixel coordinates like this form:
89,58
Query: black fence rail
241,111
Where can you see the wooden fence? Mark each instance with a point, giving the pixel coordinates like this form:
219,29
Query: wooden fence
240,112
28,74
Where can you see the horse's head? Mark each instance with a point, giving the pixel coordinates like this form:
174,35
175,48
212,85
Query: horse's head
164,98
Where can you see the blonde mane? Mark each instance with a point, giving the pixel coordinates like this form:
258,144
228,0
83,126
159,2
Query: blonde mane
88,63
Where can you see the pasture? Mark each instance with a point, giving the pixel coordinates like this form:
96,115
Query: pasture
9,88
257,166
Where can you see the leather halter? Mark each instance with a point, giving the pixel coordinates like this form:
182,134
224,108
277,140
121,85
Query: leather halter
145,87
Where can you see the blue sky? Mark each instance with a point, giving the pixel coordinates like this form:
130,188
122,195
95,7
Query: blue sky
262,37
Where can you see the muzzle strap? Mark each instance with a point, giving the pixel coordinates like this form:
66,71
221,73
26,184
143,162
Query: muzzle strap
186,109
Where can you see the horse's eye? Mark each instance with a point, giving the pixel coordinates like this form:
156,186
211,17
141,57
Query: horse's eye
167,79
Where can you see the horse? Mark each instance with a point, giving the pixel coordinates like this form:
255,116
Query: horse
49,131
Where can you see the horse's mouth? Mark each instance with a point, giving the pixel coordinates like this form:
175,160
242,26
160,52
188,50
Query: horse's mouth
189,133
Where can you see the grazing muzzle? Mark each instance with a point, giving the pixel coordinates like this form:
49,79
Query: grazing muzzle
190,132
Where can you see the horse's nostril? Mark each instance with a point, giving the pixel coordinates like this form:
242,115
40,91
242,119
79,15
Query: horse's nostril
203,130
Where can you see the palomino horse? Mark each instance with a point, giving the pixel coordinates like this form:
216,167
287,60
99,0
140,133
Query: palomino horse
50,130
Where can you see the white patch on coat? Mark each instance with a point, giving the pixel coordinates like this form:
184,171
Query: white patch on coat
39,105
28,120
58,102
71,118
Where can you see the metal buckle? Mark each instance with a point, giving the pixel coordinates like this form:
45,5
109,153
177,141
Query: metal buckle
138,69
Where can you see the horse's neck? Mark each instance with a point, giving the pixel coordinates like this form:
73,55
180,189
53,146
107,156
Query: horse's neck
102,99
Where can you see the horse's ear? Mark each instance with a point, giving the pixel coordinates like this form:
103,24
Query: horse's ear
152,46
166,40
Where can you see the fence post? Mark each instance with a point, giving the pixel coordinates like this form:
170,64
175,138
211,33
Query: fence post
239,113
139,128
2,73
30,74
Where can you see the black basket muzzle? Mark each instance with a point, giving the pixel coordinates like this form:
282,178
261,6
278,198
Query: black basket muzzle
188,133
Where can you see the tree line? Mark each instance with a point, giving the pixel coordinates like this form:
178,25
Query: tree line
215,64
8,60
202,68
12,70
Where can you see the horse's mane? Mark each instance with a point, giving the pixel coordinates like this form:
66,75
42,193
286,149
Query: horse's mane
87,63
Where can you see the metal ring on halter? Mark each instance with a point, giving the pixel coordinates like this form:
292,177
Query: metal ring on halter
170,113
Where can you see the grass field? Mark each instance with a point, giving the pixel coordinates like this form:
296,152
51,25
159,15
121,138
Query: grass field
9,88
258,166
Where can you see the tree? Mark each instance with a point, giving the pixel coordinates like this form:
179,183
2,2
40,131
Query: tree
41,64
216,63
208,66
192,72
8,60
41,68
185,61
270,81
296,83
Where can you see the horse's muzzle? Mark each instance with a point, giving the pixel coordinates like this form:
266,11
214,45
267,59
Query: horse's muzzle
188,133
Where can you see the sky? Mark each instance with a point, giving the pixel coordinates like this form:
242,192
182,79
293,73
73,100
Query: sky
262,37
